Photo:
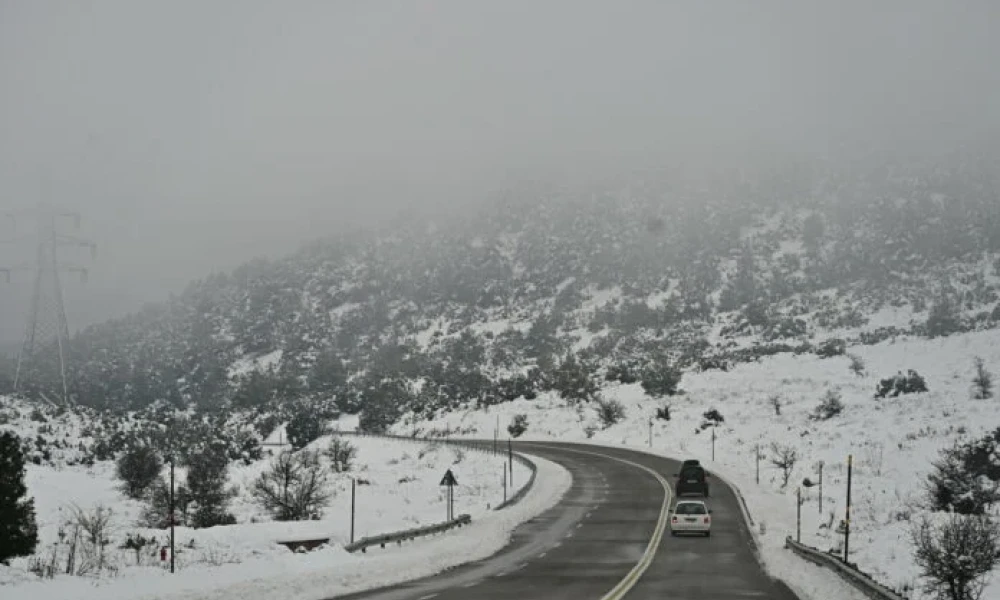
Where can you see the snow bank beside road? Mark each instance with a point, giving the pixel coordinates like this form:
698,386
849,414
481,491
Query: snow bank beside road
398,489
894,440
324,573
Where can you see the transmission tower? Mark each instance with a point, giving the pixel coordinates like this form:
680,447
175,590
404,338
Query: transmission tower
41,364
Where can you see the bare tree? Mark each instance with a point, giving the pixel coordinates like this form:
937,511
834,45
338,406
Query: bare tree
775,401
341,454
784,457
874,453
957,555
93,528
294,488
982,383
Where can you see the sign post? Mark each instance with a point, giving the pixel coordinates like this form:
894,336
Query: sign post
172,513
450,481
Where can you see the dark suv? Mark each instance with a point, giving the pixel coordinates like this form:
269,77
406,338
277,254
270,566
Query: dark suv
691,480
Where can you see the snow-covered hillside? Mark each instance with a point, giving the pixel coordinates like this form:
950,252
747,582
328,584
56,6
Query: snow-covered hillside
893,440
398,488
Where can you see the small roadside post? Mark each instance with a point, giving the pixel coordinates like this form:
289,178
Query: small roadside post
847,513
450,481
757,453
354,486
798,514
510,460
505,485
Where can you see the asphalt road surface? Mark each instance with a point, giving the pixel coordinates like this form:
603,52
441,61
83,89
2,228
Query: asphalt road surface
608,539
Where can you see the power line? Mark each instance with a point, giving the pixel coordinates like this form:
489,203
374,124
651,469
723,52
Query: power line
41,364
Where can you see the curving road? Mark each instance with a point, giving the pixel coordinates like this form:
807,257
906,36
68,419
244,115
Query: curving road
608,539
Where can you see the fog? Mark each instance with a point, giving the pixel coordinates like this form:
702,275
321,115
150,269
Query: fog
193,136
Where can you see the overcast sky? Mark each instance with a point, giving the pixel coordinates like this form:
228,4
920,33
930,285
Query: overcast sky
194,135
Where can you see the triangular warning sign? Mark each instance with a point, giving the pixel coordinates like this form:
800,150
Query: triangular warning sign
448,479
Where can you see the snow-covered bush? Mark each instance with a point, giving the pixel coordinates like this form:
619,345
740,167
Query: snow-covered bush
829,407
982,382
831,348
857,365
518,425
956,555
966,477
660,379
610,411
899,384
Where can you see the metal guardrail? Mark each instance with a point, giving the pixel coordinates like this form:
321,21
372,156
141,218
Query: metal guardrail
521,493
407,534
850,573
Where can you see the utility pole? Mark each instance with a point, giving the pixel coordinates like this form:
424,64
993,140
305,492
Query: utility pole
650,433
713,444
847,519
41,363
172,512
354,485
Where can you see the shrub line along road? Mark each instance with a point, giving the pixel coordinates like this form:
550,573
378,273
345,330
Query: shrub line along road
608,538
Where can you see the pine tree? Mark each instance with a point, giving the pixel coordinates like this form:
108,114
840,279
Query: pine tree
304,427
982,383
138,469
327,377
943,318
206,483
381,404
18,530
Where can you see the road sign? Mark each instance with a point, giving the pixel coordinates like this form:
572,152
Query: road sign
449,479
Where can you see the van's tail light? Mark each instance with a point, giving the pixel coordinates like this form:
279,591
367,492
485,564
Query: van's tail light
708,520
673,520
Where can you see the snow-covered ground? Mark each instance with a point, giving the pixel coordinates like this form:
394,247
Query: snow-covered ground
398,488
893,441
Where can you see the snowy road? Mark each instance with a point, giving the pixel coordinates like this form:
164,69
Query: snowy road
606,539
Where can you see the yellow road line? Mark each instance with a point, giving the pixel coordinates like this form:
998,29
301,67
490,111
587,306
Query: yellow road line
629,581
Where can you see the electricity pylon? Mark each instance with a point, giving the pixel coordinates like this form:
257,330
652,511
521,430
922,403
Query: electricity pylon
41,364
